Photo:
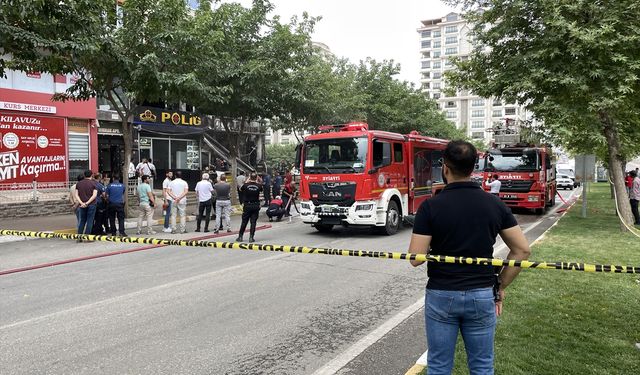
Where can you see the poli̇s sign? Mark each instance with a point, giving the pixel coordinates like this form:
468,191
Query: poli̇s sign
32,147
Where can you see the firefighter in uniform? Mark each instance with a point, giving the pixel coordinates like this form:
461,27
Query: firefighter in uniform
251,192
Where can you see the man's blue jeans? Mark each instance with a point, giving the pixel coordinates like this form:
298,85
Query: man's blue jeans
167,215
85,218
470,312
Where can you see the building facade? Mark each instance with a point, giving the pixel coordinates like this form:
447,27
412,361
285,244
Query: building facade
440,40
44,140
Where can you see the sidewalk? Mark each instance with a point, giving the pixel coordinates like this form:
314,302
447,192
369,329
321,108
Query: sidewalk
68,224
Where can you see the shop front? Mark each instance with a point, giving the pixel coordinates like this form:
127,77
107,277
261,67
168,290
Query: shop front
110,147
173,140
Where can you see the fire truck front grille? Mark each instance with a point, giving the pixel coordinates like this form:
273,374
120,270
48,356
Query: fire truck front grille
339,193
515,186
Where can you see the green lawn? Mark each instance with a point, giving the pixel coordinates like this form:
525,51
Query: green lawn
559,322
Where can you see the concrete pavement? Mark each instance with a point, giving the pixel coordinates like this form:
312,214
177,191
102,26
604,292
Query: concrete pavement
194,310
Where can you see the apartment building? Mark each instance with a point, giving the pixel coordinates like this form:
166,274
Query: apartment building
440,40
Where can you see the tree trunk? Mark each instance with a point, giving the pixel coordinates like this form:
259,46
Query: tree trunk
615,169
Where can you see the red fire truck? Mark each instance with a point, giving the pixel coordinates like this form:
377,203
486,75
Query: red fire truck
527,173
350,175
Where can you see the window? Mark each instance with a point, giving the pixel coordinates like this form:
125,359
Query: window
451,104
381,153
425,85
436,95
451,51
285,141
78,154
448,63
452,114
437,65
422,171
436,85
426,64
437,75
497,103
436,54
451,40
477,135
426,44
437,34
477,102
451,29
496,113
437,44
339,155
452,17
426,55
426,34
436,166
397,152
477,124
509,111
477,113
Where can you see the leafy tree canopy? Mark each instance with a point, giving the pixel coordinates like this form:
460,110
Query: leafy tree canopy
574,63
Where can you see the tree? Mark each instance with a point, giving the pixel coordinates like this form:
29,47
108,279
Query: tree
335,91
280,154
253,58
144,53
574,63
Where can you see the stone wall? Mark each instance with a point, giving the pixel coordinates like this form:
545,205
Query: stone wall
29,209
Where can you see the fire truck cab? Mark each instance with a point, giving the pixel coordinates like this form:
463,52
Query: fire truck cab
527,174
350,175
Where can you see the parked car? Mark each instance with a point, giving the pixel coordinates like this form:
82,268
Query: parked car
564,182
569,174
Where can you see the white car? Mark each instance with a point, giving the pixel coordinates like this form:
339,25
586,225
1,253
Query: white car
564,183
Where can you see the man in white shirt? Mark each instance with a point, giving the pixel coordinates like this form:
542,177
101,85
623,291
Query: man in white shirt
240,180
178,189
495,185
204,191
143,168
132,170
168,201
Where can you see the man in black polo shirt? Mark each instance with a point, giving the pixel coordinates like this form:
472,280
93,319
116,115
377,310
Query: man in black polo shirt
251,208
463,220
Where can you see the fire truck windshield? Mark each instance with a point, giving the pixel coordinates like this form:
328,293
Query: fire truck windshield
512,160
337,155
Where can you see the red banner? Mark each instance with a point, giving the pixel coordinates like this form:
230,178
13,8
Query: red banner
32,147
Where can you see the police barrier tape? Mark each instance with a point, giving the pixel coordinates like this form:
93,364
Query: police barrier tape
565,266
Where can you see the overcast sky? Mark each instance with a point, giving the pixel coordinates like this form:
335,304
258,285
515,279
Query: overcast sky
357,29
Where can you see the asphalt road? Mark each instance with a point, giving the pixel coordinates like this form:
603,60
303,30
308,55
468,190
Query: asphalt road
179,310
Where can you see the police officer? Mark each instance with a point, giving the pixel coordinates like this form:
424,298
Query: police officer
251,192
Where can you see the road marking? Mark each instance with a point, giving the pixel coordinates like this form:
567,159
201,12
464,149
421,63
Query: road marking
169,285
361,345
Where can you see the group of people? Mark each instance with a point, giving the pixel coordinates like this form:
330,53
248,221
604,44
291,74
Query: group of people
281,187
97,204
632,181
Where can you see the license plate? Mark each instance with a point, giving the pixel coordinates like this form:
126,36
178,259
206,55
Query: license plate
509,196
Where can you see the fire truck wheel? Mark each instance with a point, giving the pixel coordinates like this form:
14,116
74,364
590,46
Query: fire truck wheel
323,228
393,219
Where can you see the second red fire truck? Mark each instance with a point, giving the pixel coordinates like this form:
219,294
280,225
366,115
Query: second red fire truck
527,174
353,176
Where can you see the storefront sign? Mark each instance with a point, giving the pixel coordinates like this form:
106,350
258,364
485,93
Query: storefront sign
10,106
32,147
167,120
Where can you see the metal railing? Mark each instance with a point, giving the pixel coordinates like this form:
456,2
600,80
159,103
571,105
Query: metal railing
34,192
